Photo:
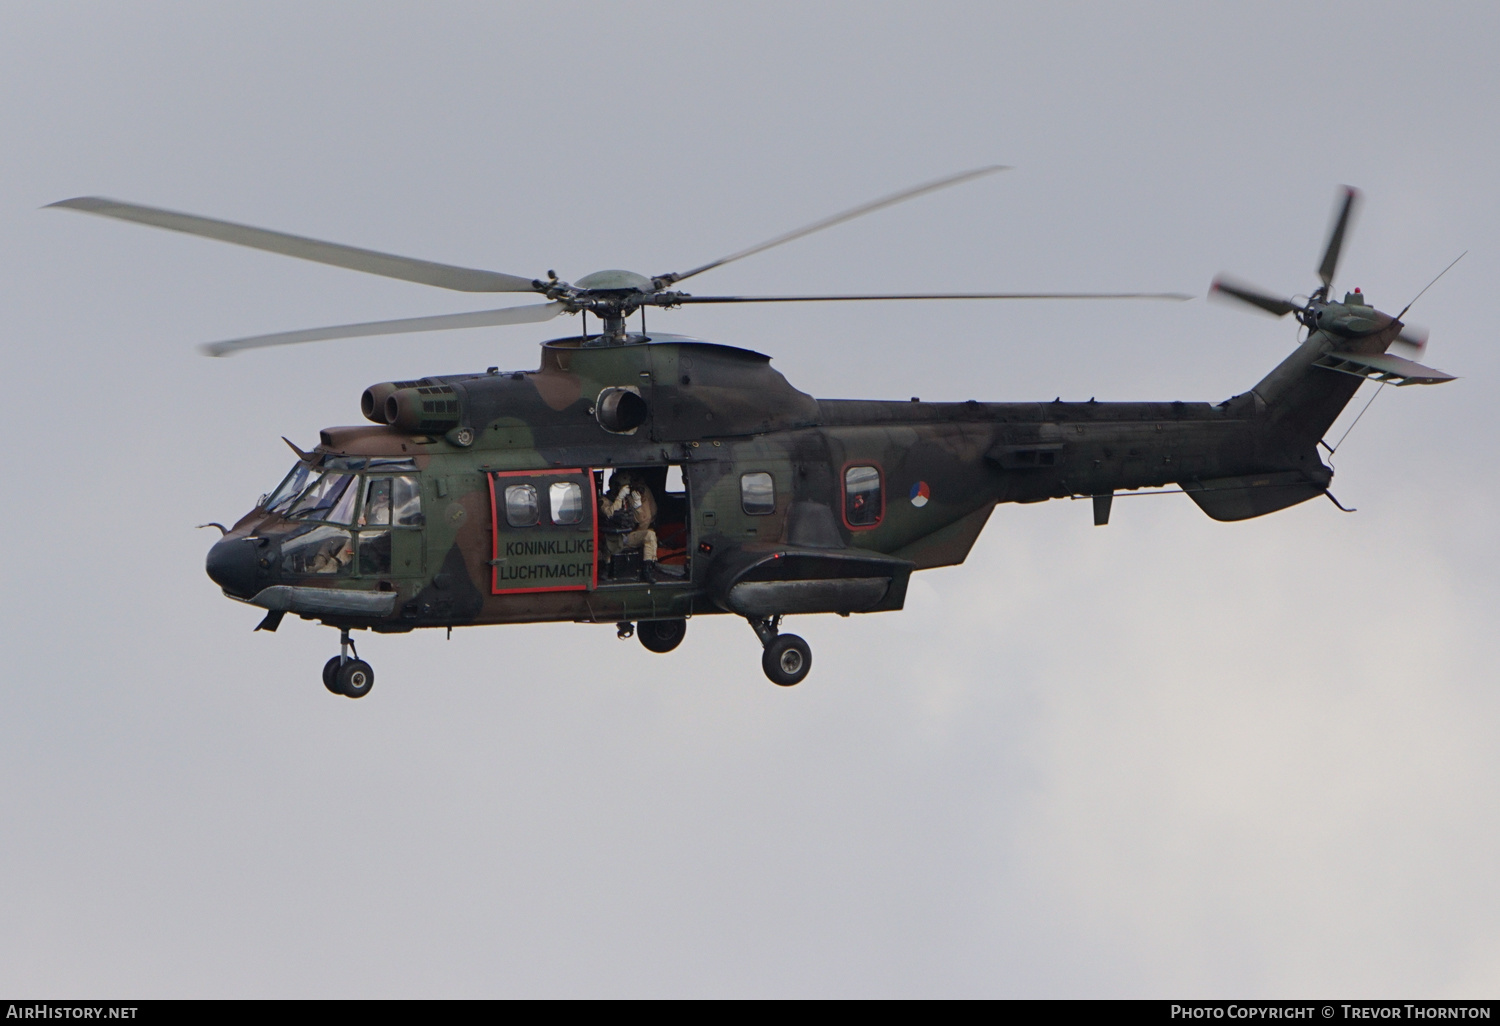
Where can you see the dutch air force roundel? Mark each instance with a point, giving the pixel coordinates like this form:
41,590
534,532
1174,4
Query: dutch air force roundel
919,494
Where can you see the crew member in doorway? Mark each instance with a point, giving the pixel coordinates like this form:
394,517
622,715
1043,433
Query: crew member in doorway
632,497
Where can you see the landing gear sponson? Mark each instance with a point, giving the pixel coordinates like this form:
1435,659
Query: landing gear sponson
343,675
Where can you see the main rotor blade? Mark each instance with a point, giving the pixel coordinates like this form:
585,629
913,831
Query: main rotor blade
442,322
848,215
1336,237
424,272
1245,294
931,295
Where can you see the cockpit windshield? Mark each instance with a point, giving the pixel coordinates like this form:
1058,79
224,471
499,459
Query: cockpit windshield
331,493
309,494
328,497
291,486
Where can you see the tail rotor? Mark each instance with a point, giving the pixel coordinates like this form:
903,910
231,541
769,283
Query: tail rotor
1307,312
1355,338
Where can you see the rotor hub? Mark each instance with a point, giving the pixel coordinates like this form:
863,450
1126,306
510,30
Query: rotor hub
615,281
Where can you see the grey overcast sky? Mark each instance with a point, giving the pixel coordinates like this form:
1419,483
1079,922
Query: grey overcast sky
1169,757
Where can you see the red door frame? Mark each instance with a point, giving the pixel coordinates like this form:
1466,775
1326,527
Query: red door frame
593,501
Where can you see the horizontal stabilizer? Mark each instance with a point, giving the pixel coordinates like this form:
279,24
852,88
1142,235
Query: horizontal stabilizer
1382,367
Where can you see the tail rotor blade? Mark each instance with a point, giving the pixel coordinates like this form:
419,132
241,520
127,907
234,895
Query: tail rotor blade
1336,237
1412,341
1224,287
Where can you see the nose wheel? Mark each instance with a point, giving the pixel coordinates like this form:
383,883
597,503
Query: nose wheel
348,675
787,658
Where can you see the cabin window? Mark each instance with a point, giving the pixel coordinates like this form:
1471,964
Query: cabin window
323,550
567,502
757,494
863,502
520,505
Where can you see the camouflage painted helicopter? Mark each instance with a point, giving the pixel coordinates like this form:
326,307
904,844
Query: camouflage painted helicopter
642,480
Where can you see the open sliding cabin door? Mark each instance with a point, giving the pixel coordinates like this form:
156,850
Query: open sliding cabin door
546,531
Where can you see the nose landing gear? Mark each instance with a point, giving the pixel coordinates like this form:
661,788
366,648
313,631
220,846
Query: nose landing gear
787,658
350,677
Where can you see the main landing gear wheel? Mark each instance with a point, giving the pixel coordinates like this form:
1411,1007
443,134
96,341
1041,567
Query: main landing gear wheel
354,678
331,668
661,635
786,660
346,674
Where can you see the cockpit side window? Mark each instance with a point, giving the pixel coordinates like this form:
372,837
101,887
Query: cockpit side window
322,550
377,512
375,551
406,502
392,500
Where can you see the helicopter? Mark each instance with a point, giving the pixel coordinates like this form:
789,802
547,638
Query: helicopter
643,479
